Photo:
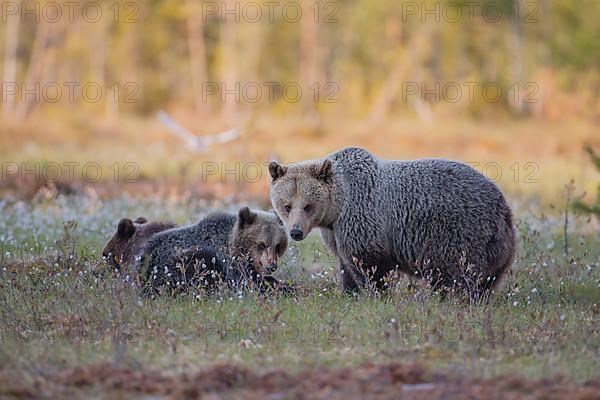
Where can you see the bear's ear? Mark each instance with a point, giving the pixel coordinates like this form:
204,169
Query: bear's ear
140,220
246,217
276,170
324,171
125,230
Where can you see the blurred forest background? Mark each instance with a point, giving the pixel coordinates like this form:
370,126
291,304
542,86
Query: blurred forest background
515,83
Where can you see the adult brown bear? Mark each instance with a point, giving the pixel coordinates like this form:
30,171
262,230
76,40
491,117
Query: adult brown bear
437,219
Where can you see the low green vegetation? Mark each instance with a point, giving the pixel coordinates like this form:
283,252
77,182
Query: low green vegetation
54,312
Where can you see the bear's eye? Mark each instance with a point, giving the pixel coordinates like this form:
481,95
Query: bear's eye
287,208
308,208
261,247
278,248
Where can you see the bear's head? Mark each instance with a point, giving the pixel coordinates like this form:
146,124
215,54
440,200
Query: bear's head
301,194
260,238
128,239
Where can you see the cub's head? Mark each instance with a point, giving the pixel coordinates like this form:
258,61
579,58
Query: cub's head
117,249
301,194
259,236
129,238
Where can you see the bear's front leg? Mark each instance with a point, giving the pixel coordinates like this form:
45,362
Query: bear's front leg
352,278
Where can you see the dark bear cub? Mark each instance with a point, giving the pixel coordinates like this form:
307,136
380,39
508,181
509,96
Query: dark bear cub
223,247
128,241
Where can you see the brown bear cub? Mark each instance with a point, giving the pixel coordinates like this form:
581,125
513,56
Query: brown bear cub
128,241
232,248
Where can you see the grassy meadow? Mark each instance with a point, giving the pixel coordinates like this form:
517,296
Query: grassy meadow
67,333
404,80
55,314
57,317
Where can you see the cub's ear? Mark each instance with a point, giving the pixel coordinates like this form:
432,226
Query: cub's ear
276,170
246,217
140,220
125,230
277,216
324,171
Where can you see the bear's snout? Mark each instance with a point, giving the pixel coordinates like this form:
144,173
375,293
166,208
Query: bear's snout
297,234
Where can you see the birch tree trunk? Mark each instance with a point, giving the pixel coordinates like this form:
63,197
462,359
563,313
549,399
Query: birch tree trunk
230,88
516,59
9,74
309,59
33,81
197,54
